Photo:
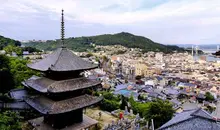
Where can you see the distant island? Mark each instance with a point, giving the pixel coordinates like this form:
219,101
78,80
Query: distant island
216,53
87,43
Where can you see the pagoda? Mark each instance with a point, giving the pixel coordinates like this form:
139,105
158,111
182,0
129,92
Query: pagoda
61,93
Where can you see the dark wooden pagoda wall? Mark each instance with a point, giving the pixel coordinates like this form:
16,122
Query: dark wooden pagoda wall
67,95
62,75
65,119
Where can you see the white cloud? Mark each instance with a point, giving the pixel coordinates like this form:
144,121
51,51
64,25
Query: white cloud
170,21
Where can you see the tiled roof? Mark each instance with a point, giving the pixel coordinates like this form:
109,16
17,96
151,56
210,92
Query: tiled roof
44,85
18,94
196,116
189,106
47,106
62,60
216,113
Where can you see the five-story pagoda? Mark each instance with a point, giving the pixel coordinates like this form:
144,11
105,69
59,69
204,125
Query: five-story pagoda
60,94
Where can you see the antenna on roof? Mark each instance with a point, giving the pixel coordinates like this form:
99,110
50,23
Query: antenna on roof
62,28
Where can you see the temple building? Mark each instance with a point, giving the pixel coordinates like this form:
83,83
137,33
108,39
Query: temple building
61,93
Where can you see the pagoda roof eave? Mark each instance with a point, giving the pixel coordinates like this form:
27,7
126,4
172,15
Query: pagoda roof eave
45,85
47,106
54,70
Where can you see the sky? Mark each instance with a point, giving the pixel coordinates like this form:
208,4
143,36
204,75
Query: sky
163,21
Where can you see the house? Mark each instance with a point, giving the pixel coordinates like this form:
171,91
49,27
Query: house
140,69
2,52
14,54
200,97
25,52
161,81
171,93
149,83
149,72
159,57
197,119
176,104
116,64
189,87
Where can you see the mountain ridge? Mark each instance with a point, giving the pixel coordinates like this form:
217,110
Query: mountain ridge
124,38
4,41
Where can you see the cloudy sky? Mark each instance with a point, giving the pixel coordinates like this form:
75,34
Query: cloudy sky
164,21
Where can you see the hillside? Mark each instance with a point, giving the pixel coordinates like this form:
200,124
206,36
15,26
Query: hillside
7,41
124,39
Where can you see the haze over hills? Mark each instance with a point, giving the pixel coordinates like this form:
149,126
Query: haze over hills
123,38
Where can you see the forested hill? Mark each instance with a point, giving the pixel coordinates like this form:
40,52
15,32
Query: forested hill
7,41
123,38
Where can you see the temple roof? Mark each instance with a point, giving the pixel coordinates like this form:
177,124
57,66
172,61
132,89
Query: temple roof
216,113
45,85
188,119
47,106
62,60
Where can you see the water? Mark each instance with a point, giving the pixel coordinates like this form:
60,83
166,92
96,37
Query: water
208,55
209,58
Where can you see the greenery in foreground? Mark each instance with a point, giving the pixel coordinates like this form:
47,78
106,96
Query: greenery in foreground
209,97
159,110
10,121
18,50
13,70
124,39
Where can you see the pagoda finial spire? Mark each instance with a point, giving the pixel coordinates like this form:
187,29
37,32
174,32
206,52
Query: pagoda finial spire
62,28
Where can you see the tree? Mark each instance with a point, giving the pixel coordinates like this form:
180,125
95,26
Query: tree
6,77
12,72
160,111
138,107
109,105
209,97
138,77
89,54
30,49
123,102
10,121
10,48
7,41
20,71
110,101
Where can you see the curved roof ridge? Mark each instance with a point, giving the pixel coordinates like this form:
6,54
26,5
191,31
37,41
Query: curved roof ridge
52,65
202,113
62,60
48,106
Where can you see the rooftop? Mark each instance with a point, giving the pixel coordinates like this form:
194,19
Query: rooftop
47,106
62,60
197,119
45,85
